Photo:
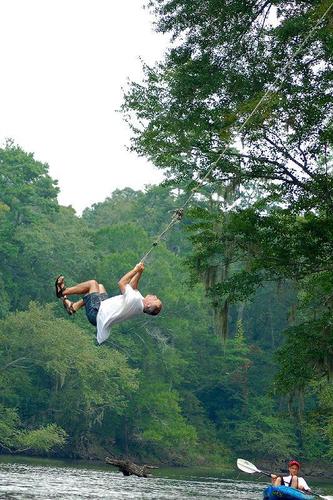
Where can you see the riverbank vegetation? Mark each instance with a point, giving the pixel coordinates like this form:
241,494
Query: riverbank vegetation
241,358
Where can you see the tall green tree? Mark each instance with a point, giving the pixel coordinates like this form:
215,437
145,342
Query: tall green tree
53,374
191,106
38,239
166,388
243,101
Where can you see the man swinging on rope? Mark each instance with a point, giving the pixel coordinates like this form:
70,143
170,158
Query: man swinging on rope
103,311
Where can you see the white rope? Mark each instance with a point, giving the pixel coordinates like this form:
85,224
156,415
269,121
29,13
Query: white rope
270,89
176,218
238,130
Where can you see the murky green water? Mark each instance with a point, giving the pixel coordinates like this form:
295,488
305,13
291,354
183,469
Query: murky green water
35,479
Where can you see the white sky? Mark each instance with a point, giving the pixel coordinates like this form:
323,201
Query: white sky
63,63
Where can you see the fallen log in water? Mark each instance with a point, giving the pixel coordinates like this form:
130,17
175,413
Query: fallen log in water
129,468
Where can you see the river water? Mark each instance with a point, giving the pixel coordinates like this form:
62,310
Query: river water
29,479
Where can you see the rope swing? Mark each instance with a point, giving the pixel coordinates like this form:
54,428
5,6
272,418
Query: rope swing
177,217
178,214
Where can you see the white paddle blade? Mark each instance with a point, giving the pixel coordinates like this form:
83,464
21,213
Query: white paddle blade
246,466
327,498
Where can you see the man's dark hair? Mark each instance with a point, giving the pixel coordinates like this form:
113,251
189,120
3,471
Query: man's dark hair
152,310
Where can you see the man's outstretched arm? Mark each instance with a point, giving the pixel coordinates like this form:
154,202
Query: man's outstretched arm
132,277
136,278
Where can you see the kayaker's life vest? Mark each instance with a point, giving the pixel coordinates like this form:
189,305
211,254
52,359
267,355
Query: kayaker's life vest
283,483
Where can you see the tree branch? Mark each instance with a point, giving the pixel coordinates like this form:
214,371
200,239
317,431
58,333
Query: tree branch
253,18
3,368
129,468
283,150
264,159
6,448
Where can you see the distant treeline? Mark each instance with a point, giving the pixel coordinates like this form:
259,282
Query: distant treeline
168,389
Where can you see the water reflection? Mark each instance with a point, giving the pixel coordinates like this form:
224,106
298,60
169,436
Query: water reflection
22,481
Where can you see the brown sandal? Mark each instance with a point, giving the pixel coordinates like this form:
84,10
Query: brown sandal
68,305
60,286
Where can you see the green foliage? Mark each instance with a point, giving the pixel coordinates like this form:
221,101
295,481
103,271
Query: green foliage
262,225
27,191
165,388
38,240
47,372
13,438
9,421
150,210
163,428
43,440
262,434
226,56
313,341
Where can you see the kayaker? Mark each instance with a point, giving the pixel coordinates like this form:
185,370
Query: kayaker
293,480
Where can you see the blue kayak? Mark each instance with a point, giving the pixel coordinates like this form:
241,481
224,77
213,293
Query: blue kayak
275,492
